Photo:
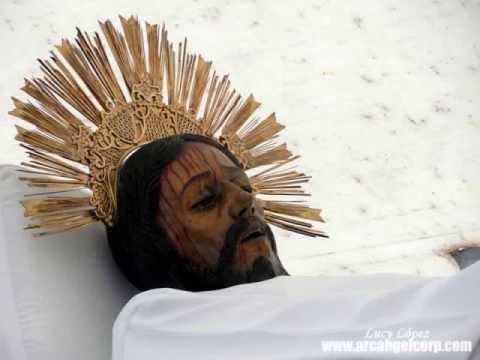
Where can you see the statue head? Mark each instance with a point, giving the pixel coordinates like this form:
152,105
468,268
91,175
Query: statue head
187,218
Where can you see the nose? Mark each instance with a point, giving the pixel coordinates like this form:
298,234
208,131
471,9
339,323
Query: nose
247,211
242,205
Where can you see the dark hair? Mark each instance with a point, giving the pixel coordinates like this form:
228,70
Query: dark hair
138,244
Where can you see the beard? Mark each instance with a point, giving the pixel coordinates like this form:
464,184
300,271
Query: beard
263,267
225,273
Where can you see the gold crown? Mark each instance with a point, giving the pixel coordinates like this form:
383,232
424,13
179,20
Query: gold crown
85,125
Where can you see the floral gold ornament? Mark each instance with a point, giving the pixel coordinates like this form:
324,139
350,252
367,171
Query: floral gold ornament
100,100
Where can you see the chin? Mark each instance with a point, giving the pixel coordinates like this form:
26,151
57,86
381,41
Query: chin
264,268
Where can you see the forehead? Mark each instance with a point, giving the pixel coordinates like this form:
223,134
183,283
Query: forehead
201,154
194,158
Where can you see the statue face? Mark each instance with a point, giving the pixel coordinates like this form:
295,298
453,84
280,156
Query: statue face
209,214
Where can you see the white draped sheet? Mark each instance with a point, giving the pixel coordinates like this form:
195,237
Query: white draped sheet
59,295
288,317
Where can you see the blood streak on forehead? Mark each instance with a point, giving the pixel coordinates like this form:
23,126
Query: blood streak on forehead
193,159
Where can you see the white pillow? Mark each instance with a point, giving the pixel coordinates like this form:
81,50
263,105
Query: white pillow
59,294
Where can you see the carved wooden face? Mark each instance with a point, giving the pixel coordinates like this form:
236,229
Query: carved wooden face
209,213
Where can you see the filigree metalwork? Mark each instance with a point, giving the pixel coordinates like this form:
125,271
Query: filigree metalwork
86,115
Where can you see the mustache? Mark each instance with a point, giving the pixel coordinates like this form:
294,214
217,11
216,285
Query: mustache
262,268
233,236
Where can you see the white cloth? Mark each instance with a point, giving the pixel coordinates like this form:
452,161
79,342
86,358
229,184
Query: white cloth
59,295
288,317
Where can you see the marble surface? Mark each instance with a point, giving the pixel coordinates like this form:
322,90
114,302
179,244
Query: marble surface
382,99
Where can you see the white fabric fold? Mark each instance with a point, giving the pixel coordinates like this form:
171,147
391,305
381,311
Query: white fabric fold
59,294
289,317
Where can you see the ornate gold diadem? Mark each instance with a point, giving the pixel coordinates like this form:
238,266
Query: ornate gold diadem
99,99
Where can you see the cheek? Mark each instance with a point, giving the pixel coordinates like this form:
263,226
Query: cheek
191,237
168,220
212,224
206,233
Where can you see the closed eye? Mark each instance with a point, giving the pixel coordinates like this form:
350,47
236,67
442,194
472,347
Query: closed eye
247,188
208,200
204,202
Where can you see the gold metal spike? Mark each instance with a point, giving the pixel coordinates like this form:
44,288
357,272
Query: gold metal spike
34,207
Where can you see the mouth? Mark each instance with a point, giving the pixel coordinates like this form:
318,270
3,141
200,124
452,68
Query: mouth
255,231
